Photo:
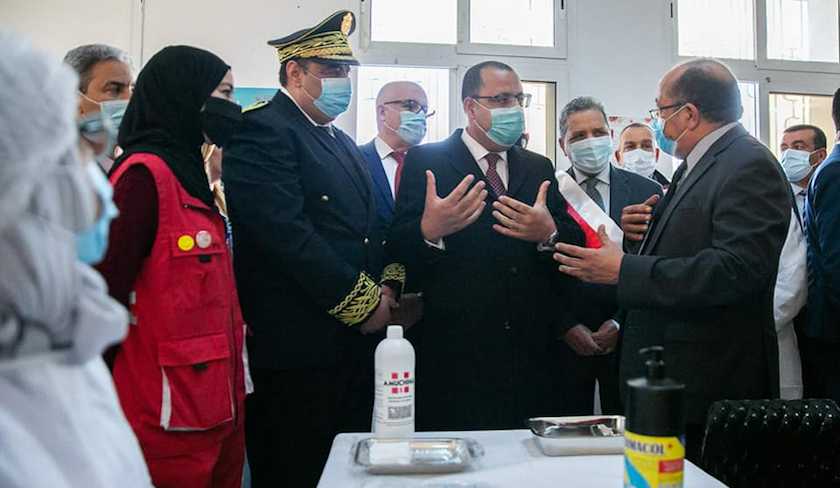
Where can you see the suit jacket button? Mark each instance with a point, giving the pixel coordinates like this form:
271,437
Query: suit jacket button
383,243
325,198
507,325
367,241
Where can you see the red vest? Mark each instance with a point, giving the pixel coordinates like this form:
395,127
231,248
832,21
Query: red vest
180,369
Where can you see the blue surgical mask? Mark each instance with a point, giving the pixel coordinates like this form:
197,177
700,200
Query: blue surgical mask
640,162
92,243
592,155
796,164
506,125
669,146
335,96
412,127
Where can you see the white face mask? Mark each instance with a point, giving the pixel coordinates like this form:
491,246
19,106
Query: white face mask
591,155
796,164
640,162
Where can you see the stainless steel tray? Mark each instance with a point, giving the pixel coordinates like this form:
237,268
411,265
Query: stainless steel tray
416,455
570,436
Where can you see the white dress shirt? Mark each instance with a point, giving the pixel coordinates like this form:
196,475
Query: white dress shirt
389,164
316,124
702,147
789,296
799,195
479,153
603,185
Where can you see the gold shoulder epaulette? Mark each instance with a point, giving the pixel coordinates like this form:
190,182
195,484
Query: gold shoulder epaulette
255,106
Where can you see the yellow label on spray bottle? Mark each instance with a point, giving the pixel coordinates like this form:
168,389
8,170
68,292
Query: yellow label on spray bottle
653,462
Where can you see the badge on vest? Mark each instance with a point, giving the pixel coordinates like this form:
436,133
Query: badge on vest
203,239
186,243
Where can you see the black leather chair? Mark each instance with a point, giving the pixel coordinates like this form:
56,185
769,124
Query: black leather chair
773,443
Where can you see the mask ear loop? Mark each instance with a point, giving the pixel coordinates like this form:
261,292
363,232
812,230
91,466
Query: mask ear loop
482,129
395,131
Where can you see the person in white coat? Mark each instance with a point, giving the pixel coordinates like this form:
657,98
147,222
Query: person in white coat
789,298
60,424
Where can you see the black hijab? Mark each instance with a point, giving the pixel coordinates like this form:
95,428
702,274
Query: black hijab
164,114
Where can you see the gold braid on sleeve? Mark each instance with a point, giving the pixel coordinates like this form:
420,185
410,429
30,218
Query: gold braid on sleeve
394,276
359,303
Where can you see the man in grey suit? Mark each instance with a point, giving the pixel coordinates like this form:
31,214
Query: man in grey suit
702,283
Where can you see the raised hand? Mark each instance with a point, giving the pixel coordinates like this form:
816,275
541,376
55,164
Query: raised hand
532,223
447,215
635,219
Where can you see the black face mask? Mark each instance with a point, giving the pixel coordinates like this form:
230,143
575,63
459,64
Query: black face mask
220,119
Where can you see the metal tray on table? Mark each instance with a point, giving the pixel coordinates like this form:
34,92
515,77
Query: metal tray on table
578,436
416,455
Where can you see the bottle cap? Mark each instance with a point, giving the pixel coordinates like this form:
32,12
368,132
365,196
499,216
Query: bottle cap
395,332
655,404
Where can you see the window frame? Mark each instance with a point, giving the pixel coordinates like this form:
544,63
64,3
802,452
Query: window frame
776,76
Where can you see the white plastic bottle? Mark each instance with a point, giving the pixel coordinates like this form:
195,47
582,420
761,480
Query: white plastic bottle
393,409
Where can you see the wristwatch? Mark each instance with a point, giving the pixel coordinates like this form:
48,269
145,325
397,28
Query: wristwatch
548,244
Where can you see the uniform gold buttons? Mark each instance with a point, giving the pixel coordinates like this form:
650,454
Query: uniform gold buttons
325,198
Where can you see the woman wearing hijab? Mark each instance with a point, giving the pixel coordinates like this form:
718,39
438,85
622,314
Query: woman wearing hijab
60,421
180,373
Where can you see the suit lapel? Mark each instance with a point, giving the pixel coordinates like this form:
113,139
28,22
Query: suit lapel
517,173
462,160
327,142
377,172
619,196
685,185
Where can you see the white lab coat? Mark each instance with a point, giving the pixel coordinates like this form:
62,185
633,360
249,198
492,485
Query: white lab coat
62,426
790,296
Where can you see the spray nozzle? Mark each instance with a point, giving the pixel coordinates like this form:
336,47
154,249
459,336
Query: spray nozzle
655,364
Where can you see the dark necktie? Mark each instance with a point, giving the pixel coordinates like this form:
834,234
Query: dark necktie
493,177
662,205
399,157
591,188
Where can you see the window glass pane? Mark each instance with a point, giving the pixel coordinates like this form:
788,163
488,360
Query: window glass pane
803,30
514,22
539,118
435,82
787,109
429,21
718,28
749,100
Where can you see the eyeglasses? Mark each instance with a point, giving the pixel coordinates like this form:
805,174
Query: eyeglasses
412,106
656,112
507,99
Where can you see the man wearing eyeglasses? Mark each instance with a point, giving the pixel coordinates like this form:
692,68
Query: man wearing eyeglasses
471,213
401,113
702,282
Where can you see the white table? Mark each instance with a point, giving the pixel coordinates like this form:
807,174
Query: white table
511,459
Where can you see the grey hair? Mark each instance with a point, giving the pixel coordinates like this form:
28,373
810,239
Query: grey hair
579,104
83,58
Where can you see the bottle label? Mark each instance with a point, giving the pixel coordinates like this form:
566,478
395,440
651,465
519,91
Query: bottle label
394,402
653,462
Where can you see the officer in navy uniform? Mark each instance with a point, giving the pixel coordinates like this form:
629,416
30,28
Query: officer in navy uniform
309,260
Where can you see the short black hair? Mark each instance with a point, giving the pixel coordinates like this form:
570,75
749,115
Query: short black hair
575,105
709,85
472,78
820,141
284,78
835,110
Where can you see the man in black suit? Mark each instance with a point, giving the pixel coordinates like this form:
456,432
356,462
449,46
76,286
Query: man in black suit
492,303
821,348
588,351
702,284
308,261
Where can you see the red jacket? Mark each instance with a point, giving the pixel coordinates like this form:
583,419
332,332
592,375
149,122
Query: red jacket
181,368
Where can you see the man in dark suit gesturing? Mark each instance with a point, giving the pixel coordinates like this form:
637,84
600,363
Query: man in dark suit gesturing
588,352
702,284
492,301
